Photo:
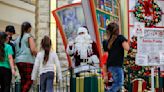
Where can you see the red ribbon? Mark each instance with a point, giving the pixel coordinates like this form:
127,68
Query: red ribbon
147,5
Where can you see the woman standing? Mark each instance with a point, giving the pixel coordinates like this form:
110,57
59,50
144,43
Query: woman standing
25,52
6,63
115,45
44,63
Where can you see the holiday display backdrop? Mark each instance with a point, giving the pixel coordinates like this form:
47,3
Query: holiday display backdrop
150,13
139,76
133,71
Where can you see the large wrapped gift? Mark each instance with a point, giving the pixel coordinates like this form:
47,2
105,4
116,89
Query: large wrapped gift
88,84
138,85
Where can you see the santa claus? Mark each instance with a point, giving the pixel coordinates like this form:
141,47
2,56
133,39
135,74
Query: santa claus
83,48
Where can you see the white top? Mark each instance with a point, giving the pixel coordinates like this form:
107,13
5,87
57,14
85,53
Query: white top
48,67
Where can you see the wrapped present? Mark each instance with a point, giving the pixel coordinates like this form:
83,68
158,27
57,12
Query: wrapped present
100,84
91,84
88,84
138,85
159,86
80,84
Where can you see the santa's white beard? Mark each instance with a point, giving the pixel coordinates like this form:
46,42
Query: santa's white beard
83,46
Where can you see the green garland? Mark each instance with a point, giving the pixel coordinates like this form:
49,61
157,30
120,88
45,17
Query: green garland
139,13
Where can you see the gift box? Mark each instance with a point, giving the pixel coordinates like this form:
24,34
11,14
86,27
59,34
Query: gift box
159,84
88,84
80,84
138,85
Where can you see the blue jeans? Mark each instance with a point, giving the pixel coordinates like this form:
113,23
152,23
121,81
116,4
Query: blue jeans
46,82
118,78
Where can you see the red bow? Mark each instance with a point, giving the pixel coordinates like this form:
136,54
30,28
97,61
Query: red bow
147,5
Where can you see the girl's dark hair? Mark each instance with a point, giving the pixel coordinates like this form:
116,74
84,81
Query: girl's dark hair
112,30
3,37
46,46
24,28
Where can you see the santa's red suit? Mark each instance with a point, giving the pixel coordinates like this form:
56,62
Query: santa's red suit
83,48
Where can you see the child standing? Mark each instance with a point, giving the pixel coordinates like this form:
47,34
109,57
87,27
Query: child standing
44,63
116,44
6,63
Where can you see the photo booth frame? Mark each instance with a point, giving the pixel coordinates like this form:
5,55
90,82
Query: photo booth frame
66,16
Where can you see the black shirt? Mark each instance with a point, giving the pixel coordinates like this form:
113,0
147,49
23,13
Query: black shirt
116,52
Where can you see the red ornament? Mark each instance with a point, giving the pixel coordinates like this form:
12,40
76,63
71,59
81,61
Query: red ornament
134,45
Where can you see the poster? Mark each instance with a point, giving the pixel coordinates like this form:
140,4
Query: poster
151,46
68,19
141,59
71,18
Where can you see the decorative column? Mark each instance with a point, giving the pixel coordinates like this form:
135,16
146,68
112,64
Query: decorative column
42,20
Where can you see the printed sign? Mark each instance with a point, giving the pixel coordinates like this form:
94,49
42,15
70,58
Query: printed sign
150,49
141,59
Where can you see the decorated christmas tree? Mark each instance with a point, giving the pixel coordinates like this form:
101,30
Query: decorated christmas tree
133,71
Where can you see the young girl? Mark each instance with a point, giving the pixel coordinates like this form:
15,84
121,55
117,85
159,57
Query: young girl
44,62
6,63
116,44
25,52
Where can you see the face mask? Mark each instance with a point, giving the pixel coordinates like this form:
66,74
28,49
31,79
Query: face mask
10,38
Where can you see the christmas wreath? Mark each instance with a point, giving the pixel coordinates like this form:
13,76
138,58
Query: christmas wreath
148,11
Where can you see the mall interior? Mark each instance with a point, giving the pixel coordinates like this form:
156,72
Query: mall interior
48,17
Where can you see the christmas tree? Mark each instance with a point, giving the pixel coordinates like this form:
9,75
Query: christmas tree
133,71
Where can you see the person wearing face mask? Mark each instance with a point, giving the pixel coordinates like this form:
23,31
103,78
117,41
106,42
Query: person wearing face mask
10,31
83,49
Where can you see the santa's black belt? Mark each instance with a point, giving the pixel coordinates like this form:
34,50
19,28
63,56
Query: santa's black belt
84,60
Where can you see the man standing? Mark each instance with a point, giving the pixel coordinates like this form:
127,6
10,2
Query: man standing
83,48
10,31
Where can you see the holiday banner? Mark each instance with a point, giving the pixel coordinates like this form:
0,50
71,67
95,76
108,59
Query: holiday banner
150,49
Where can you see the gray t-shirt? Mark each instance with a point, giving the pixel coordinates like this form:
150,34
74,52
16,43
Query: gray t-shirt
23,53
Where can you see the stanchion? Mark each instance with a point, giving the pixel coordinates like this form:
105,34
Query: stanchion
159,81
129,83
152,79
71,79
